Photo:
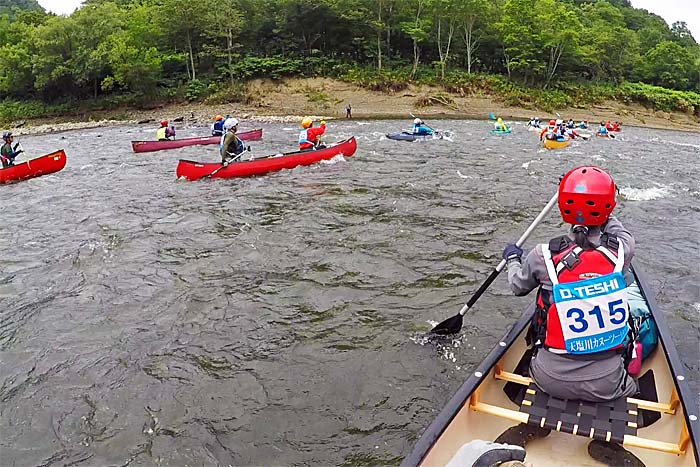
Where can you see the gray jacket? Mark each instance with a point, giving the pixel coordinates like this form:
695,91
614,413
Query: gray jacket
532,273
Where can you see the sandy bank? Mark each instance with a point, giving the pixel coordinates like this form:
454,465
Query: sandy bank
290,100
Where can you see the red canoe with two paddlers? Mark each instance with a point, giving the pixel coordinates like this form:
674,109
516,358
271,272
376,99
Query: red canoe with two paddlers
191,170
150,146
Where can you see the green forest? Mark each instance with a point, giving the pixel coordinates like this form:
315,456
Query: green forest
530,52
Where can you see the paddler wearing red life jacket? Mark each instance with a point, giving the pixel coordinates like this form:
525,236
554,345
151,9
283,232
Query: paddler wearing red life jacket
581,319
550,131
308,137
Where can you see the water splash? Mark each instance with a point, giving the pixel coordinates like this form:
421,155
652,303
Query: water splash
645,194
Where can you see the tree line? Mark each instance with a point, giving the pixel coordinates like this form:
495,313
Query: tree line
149,48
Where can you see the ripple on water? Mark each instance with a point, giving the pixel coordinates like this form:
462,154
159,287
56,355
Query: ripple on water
145,320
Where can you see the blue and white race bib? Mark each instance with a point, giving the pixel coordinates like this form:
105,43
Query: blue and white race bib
593,313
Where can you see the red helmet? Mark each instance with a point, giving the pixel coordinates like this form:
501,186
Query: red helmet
163,123
586,196
552,122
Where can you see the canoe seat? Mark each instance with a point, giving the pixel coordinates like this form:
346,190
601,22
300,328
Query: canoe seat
606,421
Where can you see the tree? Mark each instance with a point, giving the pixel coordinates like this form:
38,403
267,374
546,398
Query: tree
557,41
94,23
418,30
184,22
446,19
519,31
682,35
470,14
228,23
668,65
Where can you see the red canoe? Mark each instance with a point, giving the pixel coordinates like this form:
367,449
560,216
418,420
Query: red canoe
43,165
149,146
191,170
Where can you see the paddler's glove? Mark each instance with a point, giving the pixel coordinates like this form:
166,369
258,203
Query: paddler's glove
323,122
512,252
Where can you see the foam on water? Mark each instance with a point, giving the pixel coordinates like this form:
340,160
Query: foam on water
645,194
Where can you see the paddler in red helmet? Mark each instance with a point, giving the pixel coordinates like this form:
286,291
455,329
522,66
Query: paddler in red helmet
584,285
165,133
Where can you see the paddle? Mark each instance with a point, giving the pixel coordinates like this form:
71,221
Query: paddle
226,164
454,325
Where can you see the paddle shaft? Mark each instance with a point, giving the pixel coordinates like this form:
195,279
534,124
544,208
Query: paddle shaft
502,264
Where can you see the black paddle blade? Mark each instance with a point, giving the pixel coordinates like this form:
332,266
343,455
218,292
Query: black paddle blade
449,326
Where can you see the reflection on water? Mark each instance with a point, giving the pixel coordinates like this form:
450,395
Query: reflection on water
279,320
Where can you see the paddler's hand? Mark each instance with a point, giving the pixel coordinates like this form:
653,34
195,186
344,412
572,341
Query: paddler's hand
512,252
323,122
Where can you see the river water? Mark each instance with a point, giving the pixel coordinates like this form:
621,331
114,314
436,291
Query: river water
278,320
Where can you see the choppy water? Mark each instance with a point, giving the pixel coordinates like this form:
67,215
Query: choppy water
277,320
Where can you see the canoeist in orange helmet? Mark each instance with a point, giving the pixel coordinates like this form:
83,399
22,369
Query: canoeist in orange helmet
164,132
217,128
309,136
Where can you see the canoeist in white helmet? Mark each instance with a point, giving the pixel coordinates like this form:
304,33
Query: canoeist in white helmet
231,146
8,152
420,128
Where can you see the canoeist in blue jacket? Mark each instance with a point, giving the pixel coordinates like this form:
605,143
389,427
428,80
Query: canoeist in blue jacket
217,128
8,152
419,128
602,129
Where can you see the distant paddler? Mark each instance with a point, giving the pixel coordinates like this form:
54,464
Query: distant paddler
420,128
499,125
309,137
9,152
231,146
165,133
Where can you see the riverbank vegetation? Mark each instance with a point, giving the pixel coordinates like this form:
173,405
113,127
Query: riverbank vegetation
543,54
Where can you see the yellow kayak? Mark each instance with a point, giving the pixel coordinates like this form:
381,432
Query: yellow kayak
554,144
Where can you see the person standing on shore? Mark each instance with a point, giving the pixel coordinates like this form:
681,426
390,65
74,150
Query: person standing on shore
8,152
164,133
348,111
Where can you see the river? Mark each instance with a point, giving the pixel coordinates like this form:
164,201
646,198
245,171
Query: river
278,320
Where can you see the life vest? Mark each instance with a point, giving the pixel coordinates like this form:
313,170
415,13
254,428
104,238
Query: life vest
586,311
305,141
160,133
